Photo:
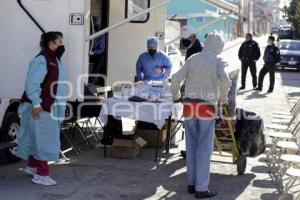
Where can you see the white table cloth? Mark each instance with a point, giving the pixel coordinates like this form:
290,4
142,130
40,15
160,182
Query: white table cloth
151,112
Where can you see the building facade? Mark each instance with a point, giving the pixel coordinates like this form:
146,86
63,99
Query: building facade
199,14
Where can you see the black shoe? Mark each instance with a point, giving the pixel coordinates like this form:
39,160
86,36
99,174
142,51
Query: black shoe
270,91
183,154
191,189
258,89
242,88
204,195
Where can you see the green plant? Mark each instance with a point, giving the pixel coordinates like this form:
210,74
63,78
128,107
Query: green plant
292,14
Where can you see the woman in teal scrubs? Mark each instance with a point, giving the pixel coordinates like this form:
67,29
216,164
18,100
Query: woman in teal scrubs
42,109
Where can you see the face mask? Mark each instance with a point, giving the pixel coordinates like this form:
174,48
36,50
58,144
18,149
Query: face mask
186,43
60,51
152,52
270,43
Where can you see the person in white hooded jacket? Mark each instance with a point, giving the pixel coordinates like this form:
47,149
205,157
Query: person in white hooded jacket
206,84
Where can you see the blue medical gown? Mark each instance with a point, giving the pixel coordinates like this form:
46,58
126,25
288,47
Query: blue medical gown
41,137
146,64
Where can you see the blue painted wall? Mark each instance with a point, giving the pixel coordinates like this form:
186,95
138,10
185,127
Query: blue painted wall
187,6
226,27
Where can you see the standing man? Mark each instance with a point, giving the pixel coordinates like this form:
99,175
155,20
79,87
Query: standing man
98,57
153,64
189,40
271,57
206,84
249,53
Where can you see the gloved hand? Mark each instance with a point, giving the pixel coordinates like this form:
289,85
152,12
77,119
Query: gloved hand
180,100
159,70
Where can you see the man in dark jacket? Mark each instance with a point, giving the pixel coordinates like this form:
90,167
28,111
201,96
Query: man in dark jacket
189,40
249,53
271,57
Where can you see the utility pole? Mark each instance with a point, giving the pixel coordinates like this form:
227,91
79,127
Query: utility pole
250,16
241,18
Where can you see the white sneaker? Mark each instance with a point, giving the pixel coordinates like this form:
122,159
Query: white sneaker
43,180
30,171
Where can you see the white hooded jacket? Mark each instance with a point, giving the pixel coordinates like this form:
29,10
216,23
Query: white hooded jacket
204,74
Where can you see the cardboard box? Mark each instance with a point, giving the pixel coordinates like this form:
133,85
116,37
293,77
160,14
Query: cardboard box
150,136
127,148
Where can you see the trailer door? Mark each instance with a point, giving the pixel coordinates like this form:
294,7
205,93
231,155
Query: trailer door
128,41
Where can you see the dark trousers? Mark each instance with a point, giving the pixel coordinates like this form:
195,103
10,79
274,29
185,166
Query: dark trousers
98,61
267,68
252,66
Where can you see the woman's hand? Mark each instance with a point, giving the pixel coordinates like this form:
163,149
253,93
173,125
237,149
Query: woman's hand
36,112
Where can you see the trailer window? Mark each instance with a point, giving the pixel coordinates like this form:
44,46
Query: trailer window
134,7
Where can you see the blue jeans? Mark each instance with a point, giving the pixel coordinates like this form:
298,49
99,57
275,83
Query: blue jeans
199,148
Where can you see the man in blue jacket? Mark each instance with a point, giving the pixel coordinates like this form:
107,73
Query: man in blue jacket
153,64
271,57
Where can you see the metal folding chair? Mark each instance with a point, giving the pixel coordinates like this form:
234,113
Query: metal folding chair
67,133
291,112
281,125
294,175
276,137
90,134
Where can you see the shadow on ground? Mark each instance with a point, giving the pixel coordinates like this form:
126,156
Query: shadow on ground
90,176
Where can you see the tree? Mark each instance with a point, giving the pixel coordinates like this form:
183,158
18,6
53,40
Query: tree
292,14
296,22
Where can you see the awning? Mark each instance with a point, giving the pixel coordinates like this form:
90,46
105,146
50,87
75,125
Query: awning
193,15
224,5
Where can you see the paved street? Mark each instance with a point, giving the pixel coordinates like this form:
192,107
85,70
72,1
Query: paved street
90,176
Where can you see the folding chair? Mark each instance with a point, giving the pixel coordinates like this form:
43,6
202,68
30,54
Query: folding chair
88,132
288,161
294,175
291,112
284,147
288,127
281,136
66,132
287,121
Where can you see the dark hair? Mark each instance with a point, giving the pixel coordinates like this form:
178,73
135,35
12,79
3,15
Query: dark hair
60,34
48,37
249,35
272,38
42,41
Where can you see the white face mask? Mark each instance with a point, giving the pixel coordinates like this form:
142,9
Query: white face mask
270,43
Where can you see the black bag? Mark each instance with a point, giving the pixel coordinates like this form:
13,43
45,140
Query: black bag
113,129
249,133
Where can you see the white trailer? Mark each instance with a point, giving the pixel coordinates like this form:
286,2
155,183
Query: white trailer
126,23
22,23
